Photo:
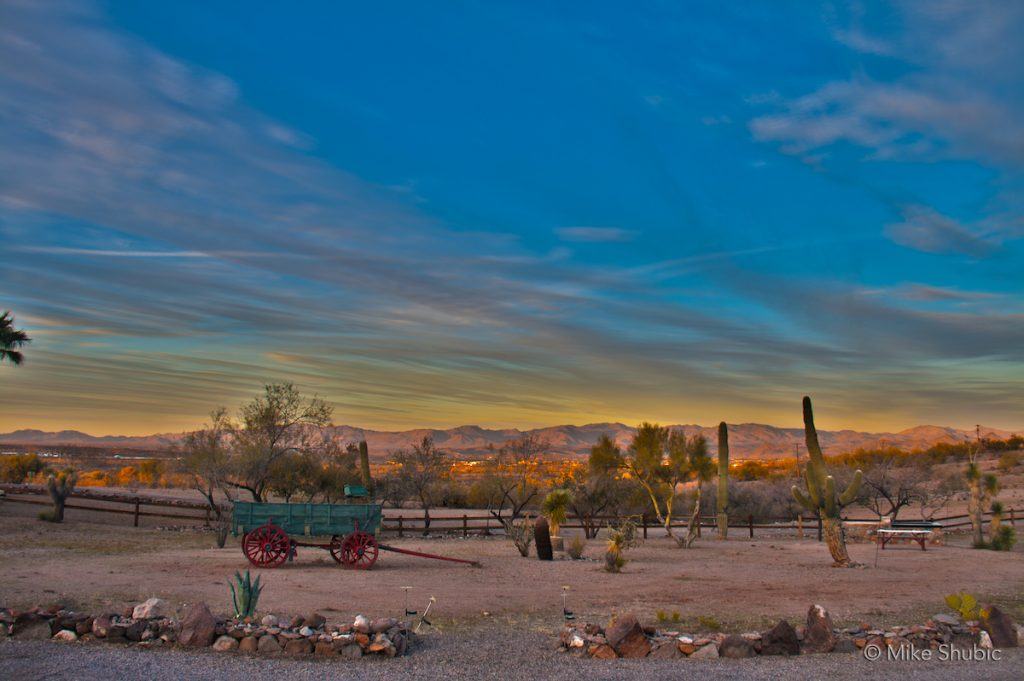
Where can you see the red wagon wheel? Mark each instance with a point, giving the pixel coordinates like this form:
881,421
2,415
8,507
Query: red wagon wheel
359,551
336,549
266,546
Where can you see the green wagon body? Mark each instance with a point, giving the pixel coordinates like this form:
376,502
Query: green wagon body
308,520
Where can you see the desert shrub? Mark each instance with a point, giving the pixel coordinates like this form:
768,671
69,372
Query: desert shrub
20,467
151,472
709,623
1004,539
664,617
1009,460
95,478
621,538
576,546
520,531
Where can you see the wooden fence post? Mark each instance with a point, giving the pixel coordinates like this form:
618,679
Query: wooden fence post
800,526
643,520
400,534
750,522
465,526
1012,523
819,527
136,512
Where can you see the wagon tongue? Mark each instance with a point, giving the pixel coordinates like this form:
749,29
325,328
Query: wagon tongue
418,554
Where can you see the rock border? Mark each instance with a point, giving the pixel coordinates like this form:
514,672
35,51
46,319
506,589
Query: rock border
151,624
625,637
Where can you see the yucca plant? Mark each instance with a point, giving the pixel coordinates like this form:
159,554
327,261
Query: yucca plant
246,596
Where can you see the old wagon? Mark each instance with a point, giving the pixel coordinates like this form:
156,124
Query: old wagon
348,531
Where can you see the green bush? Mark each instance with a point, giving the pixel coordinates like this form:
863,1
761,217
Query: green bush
1004,539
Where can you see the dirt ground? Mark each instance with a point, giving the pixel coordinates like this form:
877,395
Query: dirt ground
739,583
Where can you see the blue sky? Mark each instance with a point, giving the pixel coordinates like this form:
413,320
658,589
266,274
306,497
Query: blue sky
512,214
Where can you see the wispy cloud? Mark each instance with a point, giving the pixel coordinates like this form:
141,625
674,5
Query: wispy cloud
595,234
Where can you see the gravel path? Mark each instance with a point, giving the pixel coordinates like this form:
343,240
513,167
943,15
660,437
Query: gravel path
492,654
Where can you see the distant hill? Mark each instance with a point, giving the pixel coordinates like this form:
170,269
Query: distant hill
746,440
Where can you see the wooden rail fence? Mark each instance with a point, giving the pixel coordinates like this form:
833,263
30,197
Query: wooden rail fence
401,525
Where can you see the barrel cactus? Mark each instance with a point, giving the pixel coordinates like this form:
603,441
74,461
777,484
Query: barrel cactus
542,538
723,480
820,496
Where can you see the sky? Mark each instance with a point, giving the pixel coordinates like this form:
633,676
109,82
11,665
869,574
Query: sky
514,213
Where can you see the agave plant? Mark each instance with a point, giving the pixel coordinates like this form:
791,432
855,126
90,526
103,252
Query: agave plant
246,596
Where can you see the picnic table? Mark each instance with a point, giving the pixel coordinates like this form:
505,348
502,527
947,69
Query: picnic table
919,531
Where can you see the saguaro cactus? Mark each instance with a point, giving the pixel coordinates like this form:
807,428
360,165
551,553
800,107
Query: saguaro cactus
364,466
60,488
821,497
723,480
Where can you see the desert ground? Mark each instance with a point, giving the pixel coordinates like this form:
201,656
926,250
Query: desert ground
740,582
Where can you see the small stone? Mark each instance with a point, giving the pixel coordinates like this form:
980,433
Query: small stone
151,608
735,647
602,652
707,652
65,635
361,624
686,648
684,639
315,620
296,622
298,647
269,621
306,631
985,641
84,626
362,639
249,644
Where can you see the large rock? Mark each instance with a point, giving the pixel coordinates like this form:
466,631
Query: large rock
315,620
707,652
249,644
151,608
627,638
352,651
361,624
1000,628
666,651
101,625
225,644
735,647
65,635
198,627
383,624
299,647
268,645
33,630
324,649
135,630
818,636
780,640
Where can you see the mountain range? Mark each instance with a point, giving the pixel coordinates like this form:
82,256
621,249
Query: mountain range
746,440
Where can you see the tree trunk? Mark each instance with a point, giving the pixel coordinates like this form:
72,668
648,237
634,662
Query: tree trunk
974,510
833,531
693,526
723,525
426,520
